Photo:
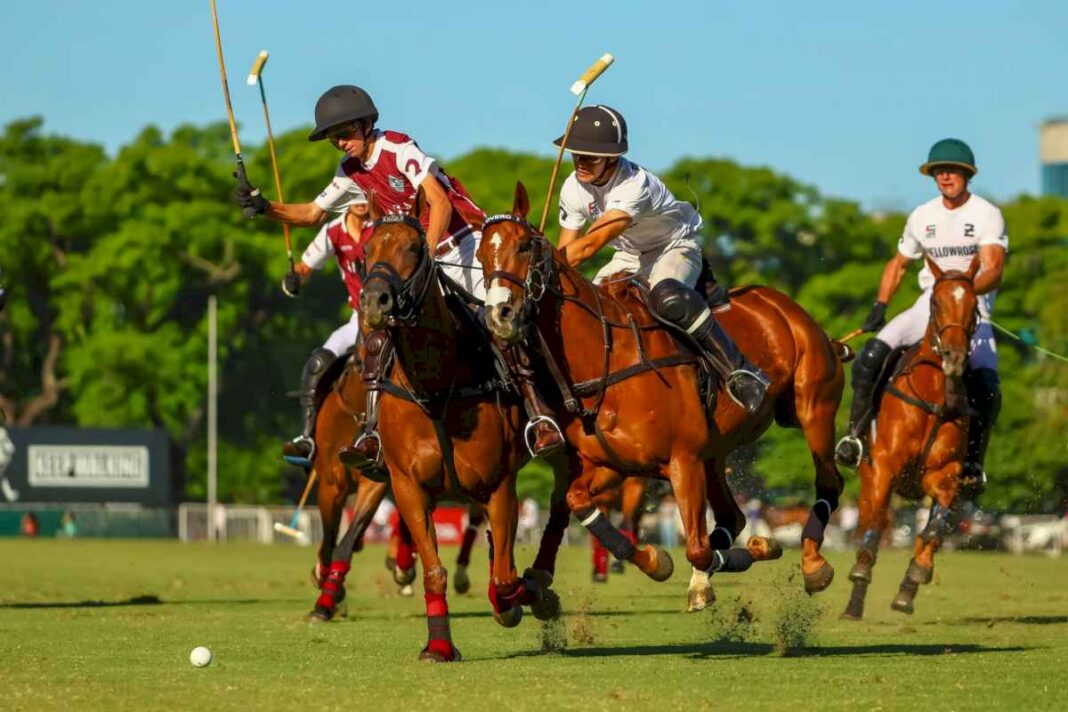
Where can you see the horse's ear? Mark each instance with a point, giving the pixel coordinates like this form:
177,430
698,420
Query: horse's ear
973,268
521,204
419,207
372,203
935,270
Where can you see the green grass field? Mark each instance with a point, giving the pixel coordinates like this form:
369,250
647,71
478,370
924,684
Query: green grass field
109,625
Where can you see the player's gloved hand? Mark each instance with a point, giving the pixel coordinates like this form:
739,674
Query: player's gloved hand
291,284
876,318
251,201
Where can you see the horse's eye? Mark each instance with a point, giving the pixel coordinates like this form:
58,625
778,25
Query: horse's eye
525,247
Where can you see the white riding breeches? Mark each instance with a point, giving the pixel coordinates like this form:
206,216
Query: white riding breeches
462,266
680,259
908,327
345,336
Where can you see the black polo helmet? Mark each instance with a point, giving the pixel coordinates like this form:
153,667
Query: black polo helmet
597,131
342,104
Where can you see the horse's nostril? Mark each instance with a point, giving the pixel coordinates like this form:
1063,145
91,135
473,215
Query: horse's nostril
384,299
504,313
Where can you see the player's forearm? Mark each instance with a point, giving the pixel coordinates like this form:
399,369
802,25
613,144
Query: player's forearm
987,281
578,251
299,214
892,276
440,214
993,266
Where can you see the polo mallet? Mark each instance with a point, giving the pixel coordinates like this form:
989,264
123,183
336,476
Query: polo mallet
255,77
579,88
292,530
846,354
851,335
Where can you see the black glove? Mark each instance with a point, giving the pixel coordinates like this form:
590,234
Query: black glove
876,318
291,284
251,201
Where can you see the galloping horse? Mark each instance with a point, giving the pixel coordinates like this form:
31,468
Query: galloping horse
447,427
631,396
339,419
920,436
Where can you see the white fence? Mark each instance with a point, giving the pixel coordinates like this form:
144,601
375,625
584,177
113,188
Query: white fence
248,523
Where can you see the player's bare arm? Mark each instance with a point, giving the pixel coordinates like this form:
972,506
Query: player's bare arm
567,236
992,262
893,273
440,211
605,229
299,214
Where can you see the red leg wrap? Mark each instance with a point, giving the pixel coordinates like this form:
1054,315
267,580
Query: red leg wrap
600,557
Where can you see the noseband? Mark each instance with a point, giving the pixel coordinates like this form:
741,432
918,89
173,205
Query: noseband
408,294
541,263
941,328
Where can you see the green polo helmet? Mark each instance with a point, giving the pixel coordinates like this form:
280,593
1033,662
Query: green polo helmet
950,152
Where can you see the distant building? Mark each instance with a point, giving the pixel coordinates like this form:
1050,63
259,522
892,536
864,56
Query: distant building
1053,150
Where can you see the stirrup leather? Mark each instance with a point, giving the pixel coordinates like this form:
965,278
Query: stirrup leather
528,434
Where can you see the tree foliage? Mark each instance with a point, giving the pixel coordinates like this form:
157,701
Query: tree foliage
110,263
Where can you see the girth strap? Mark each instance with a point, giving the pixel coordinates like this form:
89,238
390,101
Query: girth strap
595,385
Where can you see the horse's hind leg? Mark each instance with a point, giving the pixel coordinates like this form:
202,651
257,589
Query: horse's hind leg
816,404
633,492
941,485
875,484
461,582
368,497
415,508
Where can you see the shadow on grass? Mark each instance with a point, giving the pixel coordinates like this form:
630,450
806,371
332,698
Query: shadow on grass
146,600
729,649
489,614
1026,620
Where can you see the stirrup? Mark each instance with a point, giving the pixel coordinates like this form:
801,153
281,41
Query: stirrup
297,460
841,456
529,440
356,458
972,480
738,375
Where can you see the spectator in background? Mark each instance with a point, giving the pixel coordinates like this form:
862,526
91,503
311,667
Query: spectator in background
529,521
665,521
29,525
68,526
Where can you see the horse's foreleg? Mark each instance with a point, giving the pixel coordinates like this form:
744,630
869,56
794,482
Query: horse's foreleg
941,484
875,484
506,590
476,515
368,497
559,516
730,522
653,561
415,509
332,494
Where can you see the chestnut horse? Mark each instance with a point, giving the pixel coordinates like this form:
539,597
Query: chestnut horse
339,419
631,397
628,499
920,436
447,427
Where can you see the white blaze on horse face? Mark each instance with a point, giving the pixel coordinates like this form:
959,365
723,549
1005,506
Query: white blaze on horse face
958,293
497,294
495,242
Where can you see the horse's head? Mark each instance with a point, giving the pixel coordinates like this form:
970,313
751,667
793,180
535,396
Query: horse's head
516,262
954,314
399,269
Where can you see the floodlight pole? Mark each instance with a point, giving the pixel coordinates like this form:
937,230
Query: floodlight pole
213,411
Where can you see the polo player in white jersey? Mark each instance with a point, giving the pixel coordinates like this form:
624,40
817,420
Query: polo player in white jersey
655,235
951,229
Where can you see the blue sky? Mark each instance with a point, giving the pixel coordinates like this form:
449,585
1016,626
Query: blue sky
847,96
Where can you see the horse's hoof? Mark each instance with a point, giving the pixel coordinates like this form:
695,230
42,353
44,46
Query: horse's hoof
547,607
664,564
616,566
510,617
697,599
403,577
848,615
320,614
763,548
903,603
919,574
599,577
406,590
436,656
820,579
542,578
342,610
861,572
461,582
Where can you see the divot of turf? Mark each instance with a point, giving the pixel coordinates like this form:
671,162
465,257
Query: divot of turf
795,619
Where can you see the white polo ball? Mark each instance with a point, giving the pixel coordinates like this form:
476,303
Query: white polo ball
200,657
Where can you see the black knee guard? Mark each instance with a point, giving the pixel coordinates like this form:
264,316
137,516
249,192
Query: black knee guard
677,303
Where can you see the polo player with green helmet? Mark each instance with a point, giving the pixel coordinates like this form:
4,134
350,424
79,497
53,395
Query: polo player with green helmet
950,229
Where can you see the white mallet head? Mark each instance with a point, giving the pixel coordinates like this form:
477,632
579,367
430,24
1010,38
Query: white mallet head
200,657
257,68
